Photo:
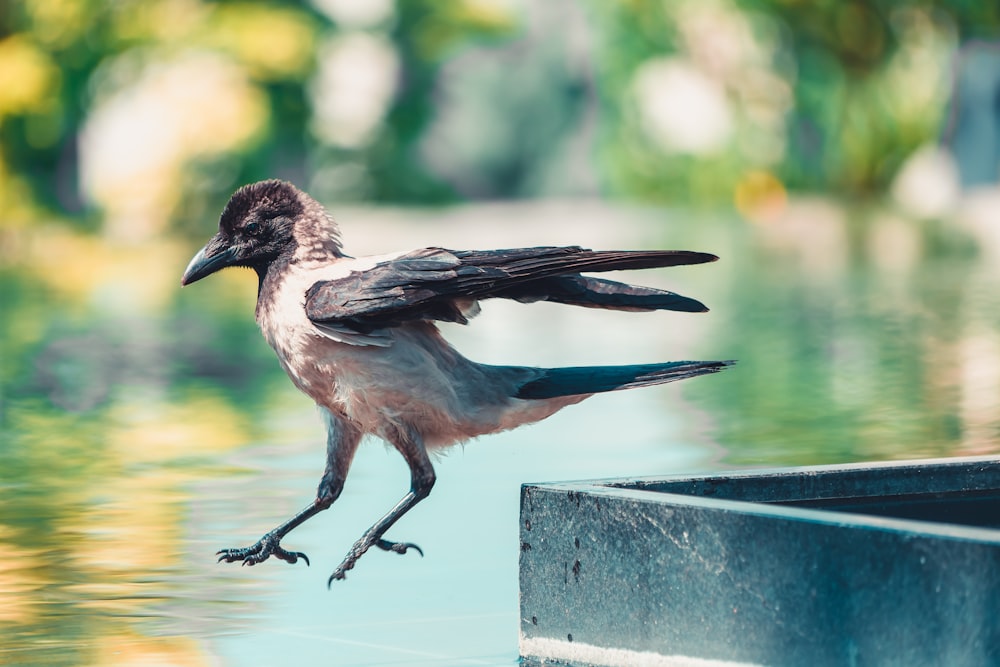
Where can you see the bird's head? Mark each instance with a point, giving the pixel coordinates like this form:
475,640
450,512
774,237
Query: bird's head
261,223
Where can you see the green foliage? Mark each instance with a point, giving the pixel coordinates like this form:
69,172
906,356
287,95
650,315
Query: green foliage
827,96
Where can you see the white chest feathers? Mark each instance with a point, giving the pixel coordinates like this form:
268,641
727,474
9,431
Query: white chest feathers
281,311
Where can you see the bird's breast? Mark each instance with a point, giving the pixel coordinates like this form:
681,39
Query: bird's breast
282,319
328,369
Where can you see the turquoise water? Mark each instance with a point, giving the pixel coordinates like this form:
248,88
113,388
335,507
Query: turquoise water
145,427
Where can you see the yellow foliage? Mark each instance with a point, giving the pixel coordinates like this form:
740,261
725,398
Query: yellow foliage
29,76
162,21
57,23
271,42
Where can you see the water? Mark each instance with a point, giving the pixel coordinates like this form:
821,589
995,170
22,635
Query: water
145,427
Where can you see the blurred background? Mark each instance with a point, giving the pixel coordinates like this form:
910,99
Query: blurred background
842,157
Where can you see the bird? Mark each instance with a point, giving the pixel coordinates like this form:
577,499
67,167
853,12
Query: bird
359,336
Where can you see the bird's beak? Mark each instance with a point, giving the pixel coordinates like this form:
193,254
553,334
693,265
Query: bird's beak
214,256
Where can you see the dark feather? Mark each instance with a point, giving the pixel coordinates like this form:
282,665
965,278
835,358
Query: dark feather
425,284
581,380
601,293
268,198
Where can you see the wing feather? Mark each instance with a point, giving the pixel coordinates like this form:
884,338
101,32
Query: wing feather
439,284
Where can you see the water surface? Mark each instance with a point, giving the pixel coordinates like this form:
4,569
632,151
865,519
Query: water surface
145,427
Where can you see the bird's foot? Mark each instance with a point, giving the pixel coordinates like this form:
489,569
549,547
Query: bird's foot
267,546
363,545
398,547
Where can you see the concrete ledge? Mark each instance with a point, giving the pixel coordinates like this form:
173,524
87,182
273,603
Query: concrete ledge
870,564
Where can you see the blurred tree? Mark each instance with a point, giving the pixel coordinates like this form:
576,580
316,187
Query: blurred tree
427,34
688,101
69,56
827,96
117,80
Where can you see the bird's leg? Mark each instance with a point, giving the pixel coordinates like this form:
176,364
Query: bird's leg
342,441
421,482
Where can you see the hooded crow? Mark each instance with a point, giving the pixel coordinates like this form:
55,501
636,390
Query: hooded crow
358,335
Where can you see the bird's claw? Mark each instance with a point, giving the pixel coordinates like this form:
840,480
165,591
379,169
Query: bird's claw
398,547
361,547
265,547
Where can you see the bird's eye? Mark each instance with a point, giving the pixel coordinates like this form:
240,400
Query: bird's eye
252,228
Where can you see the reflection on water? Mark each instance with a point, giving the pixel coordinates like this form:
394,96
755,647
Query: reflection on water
143,427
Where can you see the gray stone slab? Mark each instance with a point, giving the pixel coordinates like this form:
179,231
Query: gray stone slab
878,564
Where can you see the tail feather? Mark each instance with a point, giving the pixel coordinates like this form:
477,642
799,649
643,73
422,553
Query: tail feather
595,379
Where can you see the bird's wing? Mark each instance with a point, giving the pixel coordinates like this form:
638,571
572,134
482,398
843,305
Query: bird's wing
439,284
